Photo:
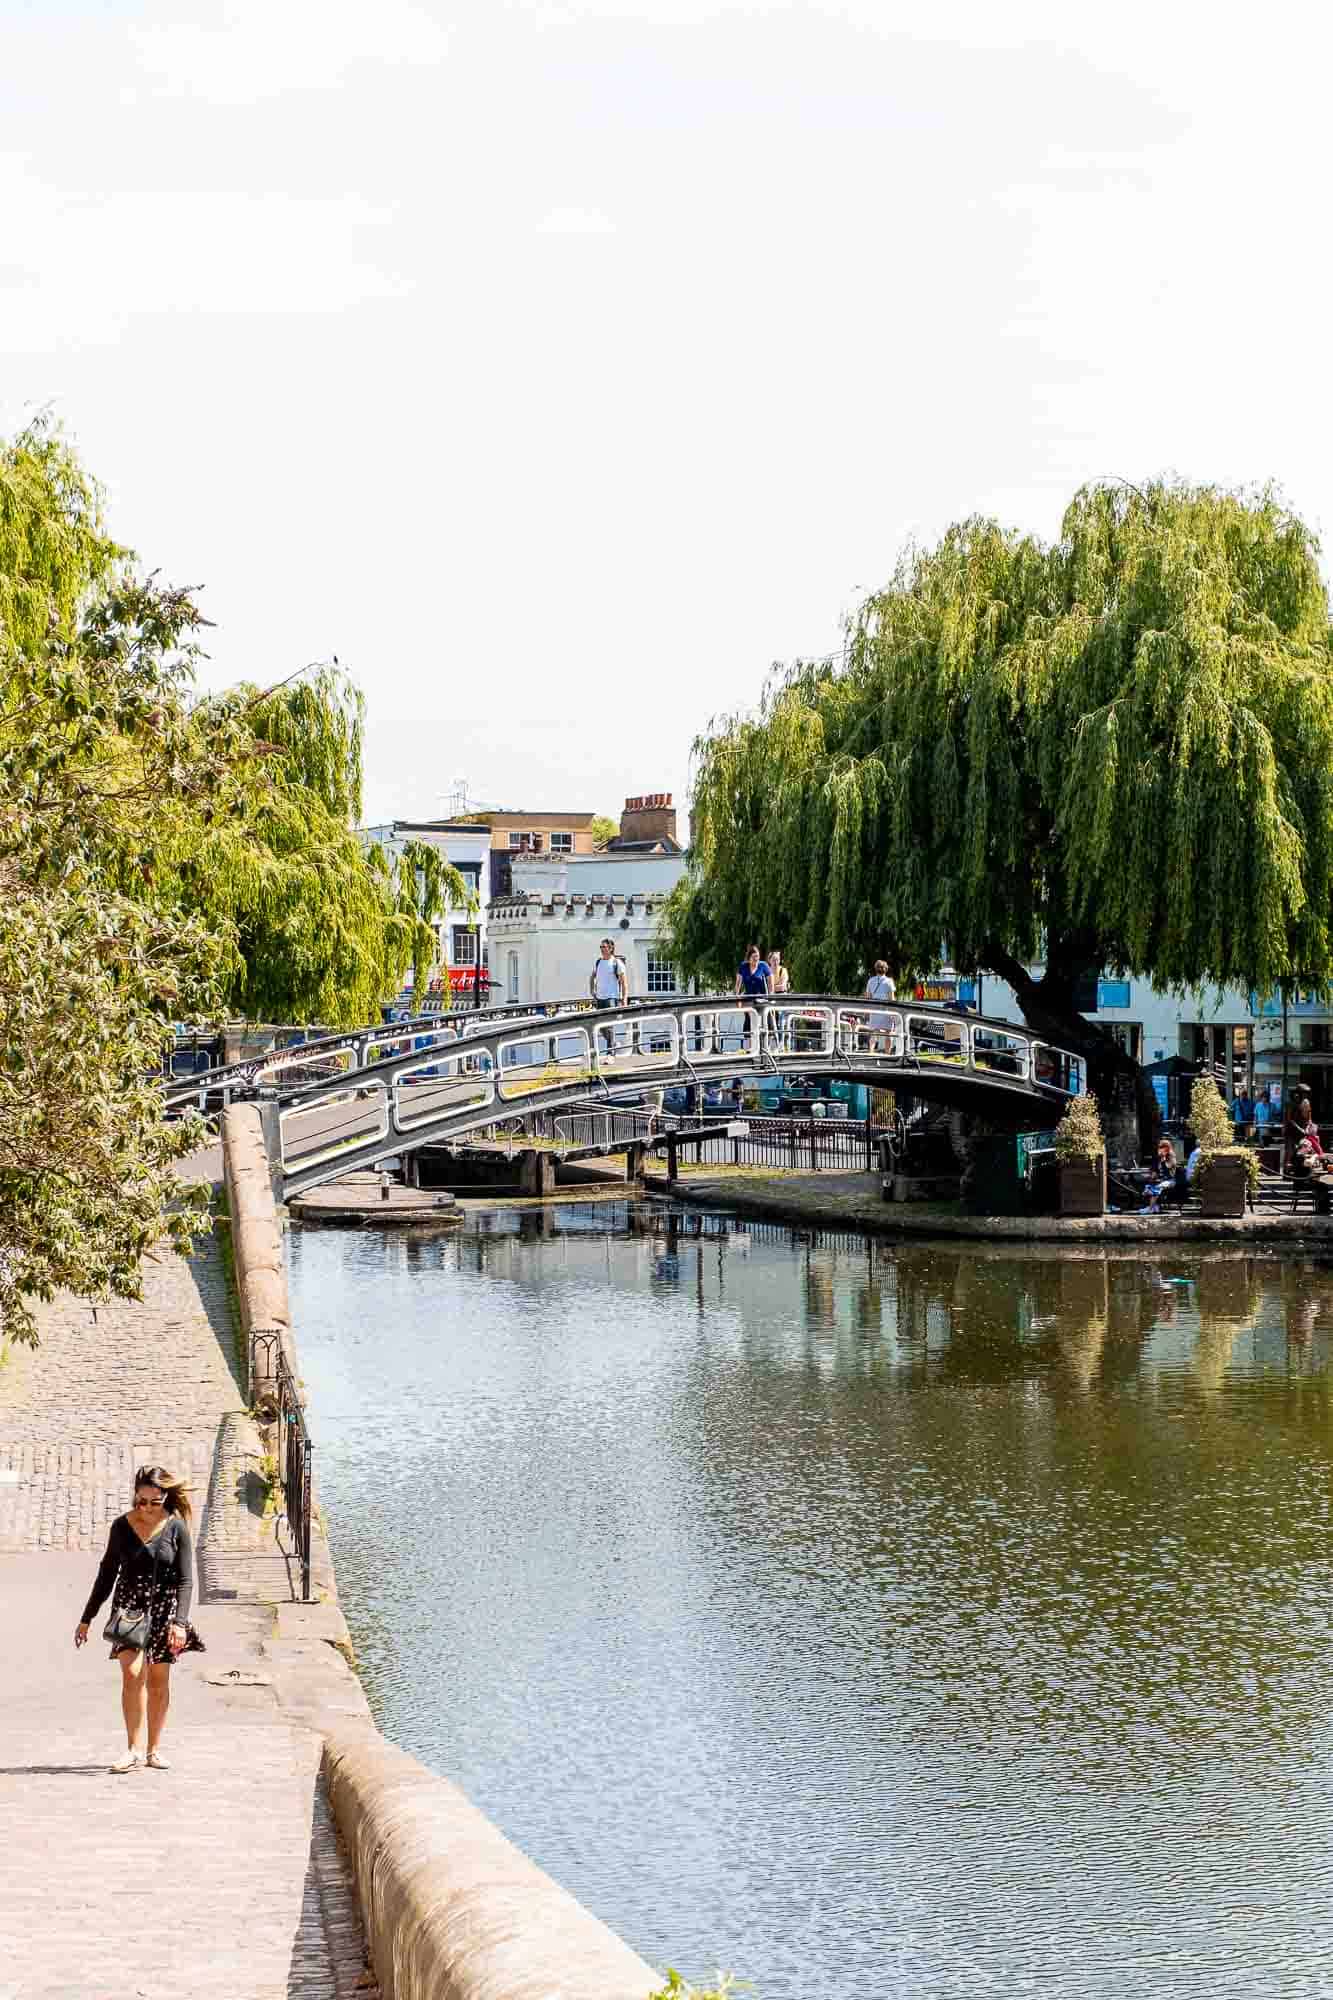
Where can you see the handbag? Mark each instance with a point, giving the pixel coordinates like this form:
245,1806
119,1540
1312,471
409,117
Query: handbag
134,1629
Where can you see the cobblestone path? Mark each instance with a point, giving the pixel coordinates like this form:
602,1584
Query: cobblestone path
220,1878
109,1388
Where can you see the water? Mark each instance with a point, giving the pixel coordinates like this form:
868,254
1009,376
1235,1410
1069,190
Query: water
870,1620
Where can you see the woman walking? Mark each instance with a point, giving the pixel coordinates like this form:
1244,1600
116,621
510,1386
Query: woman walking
150,1561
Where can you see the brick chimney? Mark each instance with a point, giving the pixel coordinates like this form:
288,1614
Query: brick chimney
652,817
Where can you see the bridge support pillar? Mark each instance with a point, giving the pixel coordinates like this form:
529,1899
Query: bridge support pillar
270,1124
536,1172
634,1162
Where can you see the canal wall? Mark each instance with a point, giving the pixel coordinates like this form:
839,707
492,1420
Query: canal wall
452,1910
855,1201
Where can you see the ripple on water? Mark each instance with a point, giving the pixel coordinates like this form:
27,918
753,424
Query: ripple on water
876,1622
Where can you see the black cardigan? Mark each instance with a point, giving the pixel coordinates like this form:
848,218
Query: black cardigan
128,1555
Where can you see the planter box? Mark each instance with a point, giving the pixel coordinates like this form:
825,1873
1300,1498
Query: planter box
1223,1188
1083,1186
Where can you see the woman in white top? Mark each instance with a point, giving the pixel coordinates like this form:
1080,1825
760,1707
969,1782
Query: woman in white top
879,986
780,981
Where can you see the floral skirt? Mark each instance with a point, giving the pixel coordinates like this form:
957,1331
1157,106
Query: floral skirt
138,1596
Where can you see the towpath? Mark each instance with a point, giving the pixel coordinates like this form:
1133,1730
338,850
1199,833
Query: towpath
221,1878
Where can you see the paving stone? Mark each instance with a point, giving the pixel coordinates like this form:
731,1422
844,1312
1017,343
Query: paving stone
220,1879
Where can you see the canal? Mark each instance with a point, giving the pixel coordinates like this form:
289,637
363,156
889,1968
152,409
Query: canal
870,1620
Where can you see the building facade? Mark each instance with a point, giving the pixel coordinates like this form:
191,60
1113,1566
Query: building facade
461,932
522,833
544,933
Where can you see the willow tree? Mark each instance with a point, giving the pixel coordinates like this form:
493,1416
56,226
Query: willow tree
1111,753
162,857
321,928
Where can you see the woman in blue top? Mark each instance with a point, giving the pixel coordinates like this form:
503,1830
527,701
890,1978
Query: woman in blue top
753,974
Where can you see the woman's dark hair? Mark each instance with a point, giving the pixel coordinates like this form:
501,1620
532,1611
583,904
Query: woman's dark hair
1164,1141
175,1497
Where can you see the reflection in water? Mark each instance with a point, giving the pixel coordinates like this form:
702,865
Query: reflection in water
875,1620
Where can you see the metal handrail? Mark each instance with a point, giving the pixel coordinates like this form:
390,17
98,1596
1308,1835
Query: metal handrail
293,1443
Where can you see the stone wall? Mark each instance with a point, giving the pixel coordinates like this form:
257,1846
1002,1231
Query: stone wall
256,1232
452,1910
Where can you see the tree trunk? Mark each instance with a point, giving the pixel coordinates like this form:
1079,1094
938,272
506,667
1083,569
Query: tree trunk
1129,1111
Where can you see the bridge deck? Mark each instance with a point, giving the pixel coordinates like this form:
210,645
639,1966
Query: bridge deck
362,1113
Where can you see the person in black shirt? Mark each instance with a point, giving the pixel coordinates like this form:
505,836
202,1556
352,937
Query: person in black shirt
150,1562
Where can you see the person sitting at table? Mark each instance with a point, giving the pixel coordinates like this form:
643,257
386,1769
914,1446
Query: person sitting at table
1303,1148
1163,1176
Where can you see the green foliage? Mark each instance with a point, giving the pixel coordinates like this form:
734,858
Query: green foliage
162,857
1213,1133
1116,751
1209,1123
677,1988
1078,1136
1243,1153
602,830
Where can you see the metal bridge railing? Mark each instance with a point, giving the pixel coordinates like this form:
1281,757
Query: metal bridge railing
273,1388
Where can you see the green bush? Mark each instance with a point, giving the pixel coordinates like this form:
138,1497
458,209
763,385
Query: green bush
677,1988
1244,1153
1208,1117
1078,1136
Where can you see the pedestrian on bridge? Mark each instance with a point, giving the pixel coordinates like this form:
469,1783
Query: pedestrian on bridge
753,975
609,982
609,985
150,1561
779,977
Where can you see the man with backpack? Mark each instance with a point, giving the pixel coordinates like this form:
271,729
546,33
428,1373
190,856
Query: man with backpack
609,984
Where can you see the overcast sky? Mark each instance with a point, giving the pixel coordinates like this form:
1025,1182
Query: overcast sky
560,366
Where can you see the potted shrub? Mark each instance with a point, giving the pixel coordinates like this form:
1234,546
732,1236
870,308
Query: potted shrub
1225,1173
1080,1151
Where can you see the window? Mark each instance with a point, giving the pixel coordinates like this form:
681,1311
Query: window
1129,1035
465,946
512,978
661,974
519,839
562,843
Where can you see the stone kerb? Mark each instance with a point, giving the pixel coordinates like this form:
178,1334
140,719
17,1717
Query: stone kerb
452,1910
256,1236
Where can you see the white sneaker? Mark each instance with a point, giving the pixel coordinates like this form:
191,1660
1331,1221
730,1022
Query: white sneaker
129,1762
157,1762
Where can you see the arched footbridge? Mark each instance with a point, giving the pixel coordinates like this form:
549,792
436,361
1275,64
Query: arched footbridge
365,1112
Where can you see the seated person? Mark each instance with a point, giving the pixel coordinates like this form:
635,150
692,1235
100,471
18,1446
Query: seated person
1303,1150
1163,1172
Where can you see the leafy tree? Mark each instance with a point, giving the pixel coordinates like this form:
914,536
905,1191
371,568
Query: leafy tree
324,929
1115,752
93,732
162,857
602,830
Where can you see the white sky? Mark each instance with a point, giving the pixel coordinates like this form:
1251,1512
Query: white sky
559,366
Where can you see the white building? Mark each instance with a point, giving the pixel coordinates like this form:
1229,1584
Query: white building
461,931
544,935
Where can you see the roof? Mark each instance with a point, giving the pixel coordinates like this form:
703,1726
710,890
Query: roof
429,826
538,814
663,844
